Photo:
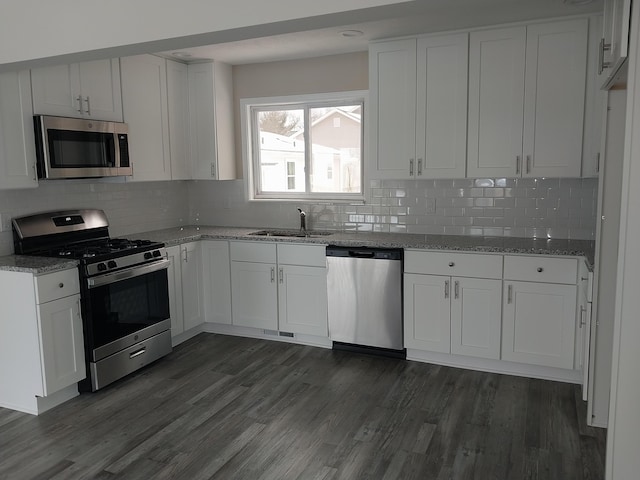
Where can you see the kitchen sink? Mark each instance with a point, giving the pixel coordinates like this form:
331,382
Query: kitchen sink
291,233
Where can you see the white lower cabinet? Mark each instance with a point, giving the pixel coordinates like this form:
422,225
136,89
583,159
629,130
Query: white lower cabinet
279,287
453,314
41,340
185,287
539,311
216,281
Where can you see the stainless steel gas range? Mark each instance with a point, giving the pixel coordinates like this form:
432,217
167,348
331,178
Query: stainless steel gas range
123,289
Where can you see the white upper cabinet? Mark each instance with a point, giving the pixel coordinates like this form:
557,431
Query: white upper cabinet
178,110
81,90
211,121
144,97
614,46
419,107
541,136
17,144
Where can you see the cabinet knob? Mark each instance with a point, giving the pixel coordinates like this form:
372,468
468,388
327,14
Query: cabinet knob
540,269
451,264
61,285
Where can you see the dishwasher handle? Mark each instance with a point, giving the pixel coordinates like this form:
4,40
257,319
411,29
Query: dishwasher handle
362,254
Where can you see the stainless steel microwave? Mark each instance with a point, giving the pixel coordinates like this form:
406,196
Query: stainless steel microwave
79,148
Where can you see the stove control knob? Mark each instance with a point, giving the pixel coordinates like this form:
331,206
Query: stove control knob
156,253
148,255
101,267
112,264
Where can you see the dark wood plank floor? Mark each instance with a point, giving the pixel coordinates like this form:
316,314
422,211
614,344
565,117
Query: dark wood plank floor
235,408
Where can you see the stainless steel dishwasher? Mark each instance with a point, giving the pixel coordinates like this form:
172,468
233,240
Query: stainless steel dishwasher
365,298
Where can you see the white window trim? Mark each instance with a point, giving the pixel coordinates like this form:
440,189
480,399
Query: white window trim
247,147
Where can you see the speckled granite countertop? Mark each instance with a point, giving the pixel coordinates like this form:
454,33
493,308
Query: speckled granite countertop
535,246
35,265
175,236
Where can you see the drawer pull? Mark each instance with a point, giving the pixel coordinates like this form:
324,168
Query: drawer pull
61,285
540,269
142,351
451,264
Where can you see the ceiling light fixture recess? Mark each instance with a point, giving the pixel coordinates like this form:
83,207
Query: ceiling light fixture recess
351,33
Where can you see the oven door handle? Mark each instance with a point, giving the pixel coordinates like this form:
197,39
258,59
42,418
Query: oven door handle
136,271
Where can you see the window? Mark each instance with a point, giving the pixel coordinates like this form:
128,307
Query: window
303,148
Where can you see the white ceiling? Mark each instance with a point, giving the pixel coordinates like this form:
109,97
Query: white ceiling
421,16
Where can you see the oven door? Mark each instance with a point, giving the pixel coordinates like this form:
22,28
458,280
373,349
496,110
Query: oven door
126,307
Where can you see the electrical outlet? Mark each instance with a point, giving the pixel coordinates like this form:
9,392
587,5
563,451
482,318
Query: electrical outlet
5,222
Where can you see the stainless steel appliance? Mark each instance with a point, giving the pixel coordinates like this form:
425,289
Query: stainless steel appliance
123,289
365,298
79,148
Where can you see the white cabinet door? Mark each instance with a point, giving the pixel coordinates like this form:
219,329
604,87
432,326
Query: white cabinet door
81,90
144,98
17,143
302,293
192,295
496,90
427,312
556,62
476,310
178,111
538,325
211,121
392,83
216,281
441,117
174,275
255,295
62,343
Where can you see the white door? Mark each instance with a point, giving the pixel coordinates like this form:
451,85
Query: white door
476,311
216,281
144,97
255,295
496,91
62,343
192,298
556,62
427,312
392,83
302,293
17,143
538,325
441,117
100,89
174,275
178,111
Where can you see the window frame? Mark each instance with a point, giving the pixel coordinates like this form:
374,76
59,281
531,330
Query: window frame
250,144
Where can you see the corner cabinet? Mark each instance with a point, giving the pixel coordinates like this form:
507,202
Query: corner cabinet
544,64
144,97
418,107
211,121
279,287
41,340
80,90
17,143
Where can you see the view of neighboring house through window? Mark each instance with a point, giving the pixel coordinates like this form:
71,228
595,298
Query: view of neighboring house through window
306,149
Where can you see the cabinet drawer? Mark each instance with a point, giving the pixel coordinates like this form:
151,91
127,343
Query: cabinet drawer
307,255
258,252
57,285
454,264
541,269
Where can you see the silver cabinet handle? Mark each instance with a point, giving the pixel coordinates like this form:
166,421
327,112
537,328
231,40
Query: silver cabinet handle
138,353
79,99
281,274
528,163
598,163
451,264
604,47
583,320
446,289
509,292
273,274
88,111
456,289
213,170
517,164
186,254
540,269
411,167
419,167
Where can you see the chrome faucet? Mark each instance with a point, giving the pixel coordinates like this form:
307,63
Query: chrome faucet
303,221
